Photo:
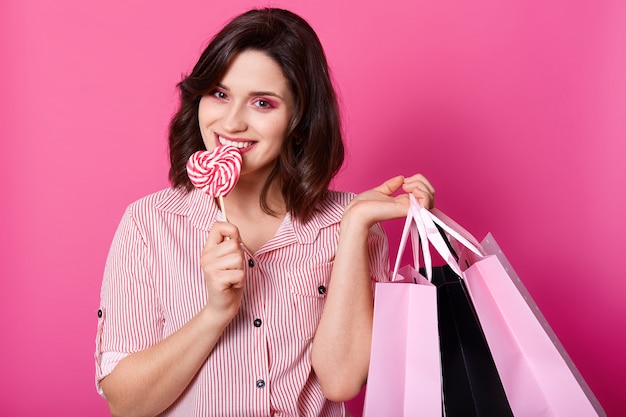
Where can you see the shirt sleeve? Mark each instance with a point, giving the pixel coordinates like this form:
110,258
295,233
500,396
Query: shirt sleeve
130,318
378,248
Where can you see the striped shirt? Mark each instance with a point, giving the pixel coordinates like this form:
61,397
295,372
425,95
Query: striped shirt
261,366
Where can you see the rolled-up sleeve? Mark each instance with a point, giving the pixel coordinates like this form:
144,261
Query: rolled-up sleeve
378,250
129,318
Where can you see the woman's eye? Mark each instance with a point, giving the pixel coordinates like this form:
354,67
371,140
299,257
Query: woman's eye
220,94
264,104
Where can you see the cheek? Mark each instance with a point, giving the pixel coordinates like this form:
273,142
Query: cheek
279,128
202,127
206,117
278,136
204,111
208,111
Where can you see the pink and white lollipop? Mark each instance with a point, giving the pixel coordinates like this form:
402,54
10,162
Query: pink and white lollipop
215,172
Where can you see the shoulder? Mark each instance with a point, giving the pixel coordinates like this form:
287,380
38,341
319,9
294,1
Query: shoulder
142,218
341,198
174,207
327,214
167,200
331,208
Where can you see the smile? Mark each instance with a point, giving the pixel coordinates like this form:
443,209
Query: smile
236,144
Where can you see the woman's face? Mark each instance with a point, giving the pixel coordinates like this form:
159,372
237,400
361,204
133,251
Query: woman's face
250,108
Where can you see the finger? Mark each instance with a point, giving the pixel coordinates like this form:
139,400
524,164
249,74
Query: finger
425,198
391,185
426,201
418,181
419,189
229,279
237,279
232,260
422,189
222,231
226,255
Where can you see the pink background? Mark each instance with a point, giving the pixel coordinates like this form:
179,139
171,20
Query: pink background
515,110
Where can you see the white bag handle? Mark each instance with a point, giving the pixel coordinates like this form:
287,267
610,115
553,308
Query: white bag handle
456,231
433,236
453,229
414,227
422,222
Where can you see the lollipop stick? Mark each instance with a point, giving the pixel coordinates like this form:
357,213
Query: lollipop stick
223,208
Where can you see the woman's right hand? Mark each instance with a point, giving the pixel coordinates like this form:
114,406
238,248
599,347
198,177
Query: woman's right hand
222,262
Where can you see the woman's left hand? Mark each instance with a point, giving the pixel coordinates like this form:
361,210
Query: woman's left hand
381,203
421,188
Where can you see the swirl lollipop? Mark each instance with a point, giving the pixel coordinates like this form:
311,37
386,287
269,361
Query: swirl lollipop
215,172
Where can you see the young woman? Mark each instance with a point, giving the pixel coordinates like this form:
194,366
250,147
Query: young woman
270,313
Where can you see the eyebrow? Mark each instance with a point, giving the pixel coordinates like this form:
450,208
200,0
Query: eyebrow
255,93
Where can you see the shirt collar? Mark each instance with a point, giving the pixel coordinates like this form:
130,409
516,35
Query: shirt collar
329,213
196,205
203,212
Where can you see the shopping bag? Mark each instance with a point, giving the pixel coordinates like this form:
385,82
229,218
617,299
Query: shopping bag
404,376
538,375
471,383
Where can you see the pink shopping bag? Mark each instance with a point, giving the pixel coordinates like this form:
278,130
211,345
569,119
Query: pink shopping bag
538,375
405,370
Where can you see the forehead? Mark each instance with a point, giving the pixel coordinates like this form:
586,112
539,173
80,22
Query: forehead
253,70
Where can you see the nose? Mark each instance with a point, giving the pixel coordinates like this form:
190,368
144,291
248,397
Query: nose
234,119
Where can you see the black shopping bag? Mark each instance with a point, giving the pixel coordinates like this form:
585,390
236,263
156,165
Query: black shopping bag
471,383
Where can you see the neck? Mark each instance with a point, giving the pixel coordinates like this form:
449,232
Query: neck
245,199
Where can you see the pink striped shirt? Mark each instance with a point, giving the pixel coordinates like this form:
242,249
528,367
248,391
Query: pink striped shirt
153,284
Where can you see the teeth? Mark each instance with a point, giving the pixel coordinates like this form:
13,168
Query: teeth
239,145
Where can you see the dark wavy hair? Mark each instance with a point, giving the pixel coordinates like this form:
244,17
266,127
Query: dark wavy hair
313,151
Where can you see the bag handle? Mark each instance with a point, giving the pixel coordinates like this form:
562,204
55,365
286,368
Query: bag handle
414,227
422,225
433,226
432,234
456,231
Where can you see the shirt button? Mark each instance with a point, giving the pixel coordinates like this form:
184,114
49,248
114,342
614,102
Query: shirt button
100,313
258,323
251,263
321,289
260,383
